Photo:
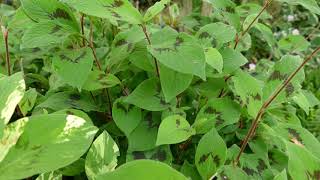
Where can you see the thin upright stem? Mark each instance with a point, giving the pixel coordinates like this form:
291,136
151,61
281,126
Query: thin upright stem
5,33
91,45
82,30
267,103
238,38
144,28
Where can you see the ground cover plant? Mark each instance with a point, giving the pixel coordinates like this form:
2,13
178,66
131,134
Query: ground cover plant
170,89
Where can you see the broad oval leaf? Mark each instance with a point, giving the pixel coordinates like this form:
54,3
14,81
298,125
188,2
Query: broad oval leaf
214,58
148,96
102,156
311,5
216,34
74,66
11,92
232,60
99,80
114,10
174,129
210,154
126,116
47,143
178,51
172,82
143,169
155,10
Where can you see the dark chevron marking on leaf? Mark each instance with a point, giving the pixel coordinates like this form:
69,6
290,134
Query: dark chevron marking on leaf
178,42
130,48
138,155
60,13
55,29
216,160
219,120
214,42
295,134
204,35
210,110
163,49
116,15
80,57
230,9
203,158
121,42
101,76
36,49
248,171
35,147
261,165
117,3
177,123
75,97
148,118
159,155
276,75
289,89
64,57
122,107
69,113
257,97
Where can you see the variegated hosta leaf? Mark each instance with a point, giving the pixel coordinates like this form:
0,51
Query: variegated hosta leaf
11,92
161,153
102,156
48,142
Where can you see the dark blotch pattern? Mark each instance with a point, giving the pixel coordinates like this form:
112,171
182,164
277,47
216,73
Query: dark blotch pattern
295,134
248,171
138,155
60,13
261,165
204,35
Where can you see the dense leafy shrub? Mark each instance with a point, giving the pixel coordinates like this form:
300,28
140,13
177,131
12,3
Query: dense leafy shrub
101,89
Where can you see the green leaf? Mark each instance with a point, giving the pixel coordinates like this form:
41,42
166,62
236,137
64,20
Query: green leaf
231,172
281,176
218,112
102,156
52,11
113,10
250,91
190,171
148,96
69,100
143,169
126,116
11,92
299,136
144,136
216,34
294,43
155,10
61,140
210,156
232,60
44,34
178,51
311,5
73,66
100,80
28,101
302,164
172,82
174,129
161,153
214,59
306,100
249,19
281,70
73,169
